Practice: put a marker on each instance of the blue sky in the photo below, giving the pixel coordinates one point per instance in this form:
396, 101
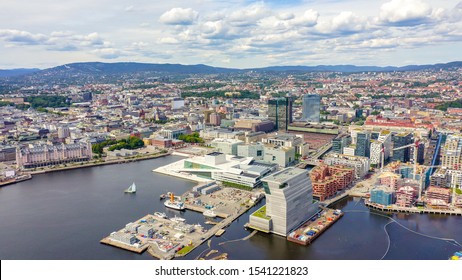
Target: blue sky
234, 33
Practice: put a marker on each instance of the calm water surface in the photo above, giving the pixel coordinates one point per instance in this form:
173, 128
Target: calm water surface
63, 215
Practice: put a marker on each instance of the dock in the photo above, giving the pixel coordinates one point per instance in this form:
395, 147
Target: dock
219, 232
202, 210
314, 227
134, 249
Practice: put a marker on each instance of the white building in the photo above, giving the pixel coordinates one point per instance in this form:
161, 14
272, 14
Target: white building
43, 155
243, 171
289, 202
226, 146
360, 164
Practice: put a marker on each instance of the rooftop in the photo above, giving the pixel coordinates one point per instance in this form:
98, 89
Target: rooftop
285, 174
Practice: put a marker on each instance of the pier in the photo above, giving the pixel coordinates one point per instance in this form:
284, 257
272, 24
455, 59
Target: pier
412, 210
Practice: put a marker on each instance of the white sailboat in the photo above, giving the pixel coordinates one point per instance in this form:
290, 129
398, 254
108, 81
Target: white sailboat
131, 189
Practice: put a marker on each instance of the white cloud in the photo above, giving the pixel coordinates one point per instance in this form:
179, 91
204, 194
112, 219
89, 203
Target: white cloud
405, 12
249, 15
22, 37
344, 23
179, 16
169, 40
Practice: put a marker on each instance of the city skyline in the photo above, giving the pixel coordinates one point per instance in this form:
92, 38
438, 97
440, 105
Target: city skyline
234, 34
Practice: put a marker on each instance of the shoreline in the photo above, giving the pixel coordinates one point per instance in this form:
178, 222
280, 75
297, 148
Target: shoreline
118, 161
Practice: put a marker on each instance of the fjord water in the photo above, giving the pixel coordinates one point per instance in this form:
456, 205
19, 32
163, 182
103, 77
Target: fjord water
63, 215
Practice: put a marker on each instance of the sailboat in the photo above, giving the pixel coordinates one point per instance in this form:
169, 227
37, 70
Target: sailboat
131, 189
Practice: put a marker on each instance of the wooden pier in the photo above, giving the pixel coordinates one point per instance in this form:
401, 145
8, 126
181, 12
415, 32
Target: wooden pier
413, 210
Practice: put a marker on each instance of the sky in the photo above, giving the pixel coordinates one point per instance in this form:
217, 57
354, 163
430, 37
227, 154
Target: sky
231, 33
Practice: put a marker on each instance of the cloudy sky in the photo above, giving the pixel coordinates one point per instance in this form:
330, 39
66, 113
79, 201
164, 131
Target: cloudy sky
230, 33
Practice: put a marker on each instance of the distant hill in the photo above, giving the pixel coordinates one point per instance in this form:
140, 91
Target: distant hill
354, 68
98, 72
17, 72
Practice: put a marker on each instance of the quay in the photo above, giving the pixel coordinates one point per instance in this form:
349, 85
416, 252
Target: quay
413, 210
313, 228
93, 164
16, 180
170, 238
202, 210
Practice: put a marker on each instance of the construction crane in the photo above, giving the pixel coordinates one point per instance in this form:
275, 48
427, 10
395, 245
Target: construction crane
415, 145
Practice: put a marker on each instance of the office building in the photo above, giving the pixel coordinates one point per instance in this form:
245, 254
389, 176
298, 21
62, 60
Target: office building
363, 142
340, 142
400, 140
280, 112
311, 107
289, 202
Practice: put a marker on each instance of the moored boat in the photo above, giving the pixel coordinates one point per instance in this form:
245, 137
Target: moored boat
209, 214
160, 215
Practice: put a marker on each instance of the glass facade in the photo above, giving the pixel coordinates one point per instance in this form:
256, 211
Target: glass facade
280, 112
311, 107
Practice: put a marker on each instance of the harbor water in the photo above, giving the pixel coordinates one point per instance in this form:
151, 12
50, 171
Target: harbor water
63, 215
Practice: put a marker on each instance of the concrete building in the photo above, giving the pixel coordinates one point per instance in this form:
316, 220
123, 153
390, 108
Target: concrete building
360, 164
43, 155
255, 150
311, 107
215, 119
173, 133
226, 146
7, 153
455, 179
436, 195
63, 132
451, 153
287, 140
280, 112
283, 156
289, 202
440, 178
177, 103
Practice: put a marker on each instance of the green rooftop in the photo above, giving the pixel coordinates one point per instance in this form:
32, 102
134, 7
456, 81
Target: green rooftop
261, 213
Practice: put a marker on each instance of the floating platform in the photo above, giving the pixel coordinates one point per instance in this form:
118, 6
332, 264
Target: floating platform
313, 228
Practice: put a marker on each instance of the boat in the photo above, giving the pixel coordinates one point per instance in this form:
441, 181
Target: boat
177, 219
131, 189
160, 215
209, 214
177, 205
174, 204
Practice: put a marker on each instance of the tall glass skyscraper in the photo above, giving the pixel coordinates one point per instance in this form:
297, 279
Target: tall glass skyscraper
311, 107
280, 112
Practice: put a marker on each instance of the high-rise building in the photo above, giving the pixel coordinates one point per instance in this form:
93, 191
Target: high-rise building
280, 112
452, 152
363, 142
400, 140
340, 142
382, 195
63, 132
311, 107
289, 202
215, 119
